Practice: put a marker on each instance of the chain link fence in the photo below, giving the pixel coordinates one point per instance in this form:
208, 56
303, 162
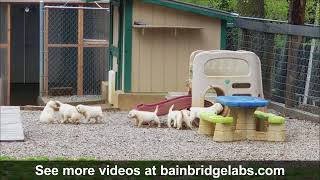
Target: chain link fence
290, 65
76, 45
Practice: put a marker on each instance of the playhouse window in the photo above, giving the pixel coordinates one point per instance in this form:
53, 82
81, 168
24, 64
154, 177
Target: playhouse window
226, 67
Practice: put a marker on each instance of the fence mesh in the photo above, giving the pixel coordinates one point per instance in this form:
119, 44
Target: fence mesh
62, 69
93, 71
290, 66
63, 26
67, 49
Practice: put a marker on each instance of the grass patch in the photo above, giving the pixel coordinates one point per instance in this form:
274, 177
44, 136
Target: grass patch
44, 158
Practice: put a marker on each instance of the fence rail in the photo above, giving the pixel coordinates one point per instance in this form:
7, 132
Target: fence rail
290, 58
276, 27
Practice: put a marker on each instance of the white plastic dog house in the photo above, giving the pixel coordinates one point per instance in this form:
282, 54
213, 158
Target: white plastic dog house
229, 72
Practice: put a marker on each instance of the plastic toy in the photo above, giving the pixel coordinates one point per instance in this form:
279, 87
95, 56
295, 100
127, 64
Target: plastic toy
228, 72
180, 103
219, 127
276, 126
192, 56
243, 121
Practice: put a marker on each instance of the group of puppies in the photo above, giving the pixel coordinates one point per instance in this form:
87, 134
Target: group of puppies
176, 118
70, 114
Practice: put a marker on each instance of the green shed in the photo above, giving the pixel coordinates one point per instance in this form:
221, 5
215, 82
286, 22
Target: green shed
151, 41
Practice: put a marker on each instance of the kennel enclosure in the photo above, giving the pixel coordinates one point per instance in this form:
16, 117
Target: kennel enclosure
52, 48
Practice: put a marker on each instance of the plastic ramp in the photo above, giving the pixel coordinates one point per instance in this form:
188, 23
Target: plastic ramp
180, 103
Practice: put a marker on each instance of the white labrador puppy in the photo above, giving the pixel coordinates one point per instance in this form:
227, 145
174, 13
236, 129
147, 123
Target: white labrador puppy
47, 115
174, 116
186, 119
90, 112
69, 113
144, 116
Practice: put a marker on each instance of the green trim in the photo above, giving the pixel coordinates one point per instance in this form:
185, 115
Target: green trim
223, 36
128, 46
120, 48
111, 50
194, 9
114, 51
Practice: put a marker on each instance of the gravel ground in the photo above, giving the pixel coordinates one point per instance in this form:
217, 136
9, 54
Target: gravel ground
117, 139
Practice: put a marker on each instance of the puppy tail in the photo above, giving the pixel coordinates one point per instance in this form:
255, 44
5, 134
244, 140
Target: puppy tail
156, 111
171, 108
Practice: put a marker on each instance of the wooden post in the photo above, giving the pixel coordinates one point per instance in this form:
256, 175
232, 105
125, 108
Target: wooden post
296, 17
8, 75
46, 55
250, 124
206, 128
240, 126
80, 53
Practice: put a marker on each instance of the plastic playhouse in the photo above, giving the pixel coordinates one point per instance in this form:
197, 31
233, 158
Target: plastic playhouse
237, 75
232, 73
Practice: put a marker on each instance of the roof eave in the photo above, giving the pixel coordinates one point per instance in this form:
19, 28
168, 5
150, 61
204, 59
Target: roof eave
229, 17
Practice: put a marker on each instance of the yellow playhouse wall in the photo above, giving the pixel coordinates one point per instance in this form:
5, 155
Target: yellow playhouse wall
160, 56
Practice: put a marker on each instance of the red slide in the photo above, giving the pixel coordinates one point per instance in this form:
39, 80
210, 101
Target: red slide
180, 103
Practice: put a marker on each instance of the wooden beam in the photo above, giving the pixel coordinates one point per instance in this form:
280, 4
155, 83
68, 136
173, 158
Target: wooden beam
46, 54
95, 43
96, 46
85, 45
80, 52
278, 28
62, 45
3, 45
9, 54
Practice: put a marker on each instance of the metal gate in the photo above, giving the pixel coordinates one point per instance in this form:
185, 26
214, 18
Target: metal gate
75, 50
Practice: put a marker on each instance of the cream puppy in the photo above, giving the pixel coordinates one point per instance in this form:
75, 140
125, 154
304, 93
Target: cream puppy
174, 116
144, 116
195, 111
47, 115
186, 119
90, 112
69, 113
